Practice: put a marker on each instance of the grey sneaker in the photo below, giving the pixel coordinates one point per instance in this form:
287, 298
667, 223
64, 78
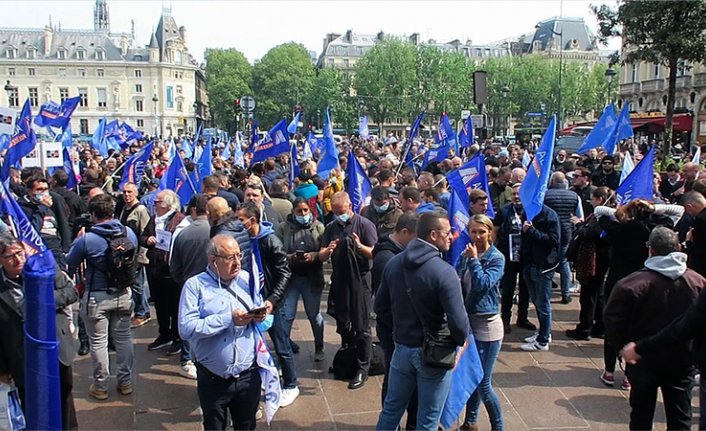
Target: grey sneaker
319, 355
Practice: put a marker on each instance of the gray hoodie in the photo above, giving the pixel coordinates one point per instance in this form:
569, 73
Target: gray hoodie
672, 265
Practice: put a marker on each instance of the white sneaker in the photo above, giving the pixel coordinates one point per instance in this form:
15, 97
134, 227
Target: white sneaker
533, 338
259, 414
534, 346
188, 370
288, 396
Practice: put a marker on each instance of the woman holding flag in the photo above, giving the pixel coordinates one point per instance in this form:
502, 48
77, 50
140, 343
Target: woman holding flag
481, 270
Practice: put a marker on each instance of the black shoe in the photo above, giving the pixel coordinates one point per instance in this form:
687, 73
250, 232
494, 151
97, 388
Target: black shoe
160, 343
566, 300
295, 347
576, 334
111, 346
526, 324
506, 327
84, 349
174, 348
597, 334
358, 381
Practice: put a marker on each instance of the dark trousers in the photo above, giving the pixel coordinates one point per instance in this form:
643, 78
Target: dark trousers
591, 312
388, 348
165, 293
676, 393
68, 410
507, 286
280, 334
363, 341
239, 395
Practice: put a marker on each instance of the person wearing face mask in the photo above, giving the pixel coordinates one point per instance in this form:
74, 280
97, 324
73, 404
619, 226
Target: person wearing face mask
383, 211
218, 316
348, 240
301, 235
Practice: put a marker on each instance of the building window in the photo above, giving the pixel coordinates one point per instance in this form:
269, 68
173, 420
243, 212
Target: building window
139, 107
31, 53
170, 97
138, 88
81, 54
633, 73
100, 72
83, 126
179, 89
346, 62
62, 72
61, 54
31, 71
140, 123
81, 72
11, 71
138, 73
102, 98
83, 93
100, 54
33, 97
11, 53
13, 98
656, 70
63, 94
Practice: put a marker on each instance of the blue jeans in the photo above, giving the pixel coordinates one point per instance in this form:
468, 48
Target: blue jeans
564, 277
406, 373
140, 294
185, 352
311, 296
540, 290
488, 352
280, 338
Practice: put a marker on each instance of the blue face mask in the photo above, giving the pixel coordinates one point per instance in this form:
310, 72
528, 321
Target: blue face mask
343, 217
305, 219
382, 208
267, 323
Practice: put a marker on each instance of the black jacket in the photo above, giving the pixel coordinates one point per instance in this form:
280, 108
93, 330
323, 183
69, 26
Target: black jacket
274, 259
382, 253
611, 180
541, 242
74, 204
565, 203
697, 247
60, 242
585, 197
298, 237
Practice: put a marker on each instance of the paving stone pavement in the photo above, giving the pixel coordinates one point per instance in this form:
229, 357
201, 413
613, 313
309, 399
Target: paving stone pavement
555, 390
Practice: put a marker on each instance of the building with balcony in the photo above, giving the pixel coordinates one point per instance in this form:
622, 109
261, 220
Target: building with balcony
158, 88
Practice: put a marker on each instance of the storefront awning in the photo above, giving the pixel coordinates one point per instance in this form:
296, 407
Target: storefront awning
654, 124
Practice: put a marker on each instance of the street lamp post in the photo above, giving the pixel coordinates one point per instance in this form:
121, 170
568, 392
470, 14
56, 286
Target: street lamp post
609, 74
505, 90
196, 117
156, 117
561, 64
9, 89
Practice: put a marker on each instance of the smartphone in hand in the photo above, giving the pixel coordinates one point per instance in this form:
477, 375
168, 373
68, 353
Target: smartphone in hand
258, 311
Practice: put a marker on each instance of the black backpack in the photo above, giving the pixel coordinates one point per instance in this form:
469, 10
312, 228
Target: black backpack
120, 260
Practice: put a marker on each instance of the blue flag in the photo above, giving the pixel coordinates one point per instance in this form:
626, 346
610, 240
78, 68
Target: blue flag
4, 141
363, 131
197, 136
112, 137
254, 136
22, 141
69, 168
329, 153
359, 186
601, 132
187, 147
445, 134
294, 169
458, 218
177, 179
466, 376
275, 142
238, 157
526, 159
67, 137
472, 175
292, 128
135, 166
314, 142
409, 157
436, 154
98, 139
205, 165
52, 114
639, 184
622, 129
227, 151
465, 138
534, 187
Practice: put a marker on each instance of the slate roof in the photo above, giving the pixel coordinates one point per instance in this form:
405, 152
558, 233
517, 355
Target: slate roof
576, 34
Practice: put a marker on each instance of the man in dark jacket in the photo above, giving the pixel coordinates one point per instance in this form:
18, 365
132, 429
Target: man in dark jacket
642, 304
541, 241
12, 335
565, 203
583, 187
607, 176
695, 206
270, 259
382, 211
74, 204
419, 286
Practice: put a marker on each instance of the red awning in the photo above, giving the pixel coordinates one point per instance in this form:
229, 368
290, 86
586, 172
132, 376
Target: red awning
681, 123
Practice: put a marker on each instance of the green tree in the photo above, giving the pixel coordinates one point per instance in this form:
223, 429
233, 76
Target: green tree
228, 77
281, 80
331, 88
664, 32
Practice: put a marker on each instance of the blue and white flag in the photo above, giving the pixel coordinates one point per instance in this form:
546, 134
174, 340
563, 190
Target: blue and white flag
526, 159
472, 175
313, 142
67, 137
639, 184
188, 148
205, 165
622, 130
269, 376
135, 166
238, 157
697, 156
363, 131
628, 166
465, 138
445, 134
413, 131
437, 154
22, 141
98, 139
113, 137
254, 136
602, 132
458, 218
69, 169
275, 142
534, 187
227, 151
292, 128
306, 153
329, 153
465, 378
359, 186
177, 179
52, 114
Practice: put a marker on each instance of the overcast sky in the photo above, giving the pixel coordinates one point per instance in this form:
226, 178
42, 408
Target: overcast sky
254, 27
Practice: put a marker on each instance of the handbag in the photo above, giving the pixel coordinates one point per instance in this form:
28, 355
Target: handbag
438, 349
11, 416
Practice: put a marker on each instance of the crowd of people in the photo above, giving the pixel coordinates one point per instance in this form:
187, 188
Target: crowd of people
232, 263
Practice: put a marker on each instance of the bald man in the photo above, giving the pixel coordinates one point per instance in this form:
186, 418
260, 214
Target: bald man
224, 221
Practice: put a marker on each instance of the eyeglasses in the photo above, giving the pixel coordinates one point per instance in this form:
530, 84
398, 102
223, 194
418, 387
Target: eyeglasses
444, 233
607, 163
16, 255
232, 257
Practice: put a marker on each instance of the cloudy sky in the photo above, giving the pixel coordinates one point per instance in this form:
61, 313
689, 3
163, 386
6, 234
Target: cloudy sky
254, 27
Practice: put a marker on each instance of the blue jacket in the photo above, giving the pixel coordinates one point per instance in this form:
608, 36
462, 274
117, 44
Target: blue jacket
482, 295
92, 247
541, 243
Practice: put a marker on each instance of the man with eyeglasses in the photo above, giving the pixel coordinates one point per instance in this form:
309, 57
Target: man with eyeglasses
583, 187
12, 310
606, 176
218, 317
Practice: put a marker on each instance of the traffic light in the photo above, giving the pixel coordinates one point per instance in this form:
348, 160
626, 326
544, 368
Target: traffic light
236, 104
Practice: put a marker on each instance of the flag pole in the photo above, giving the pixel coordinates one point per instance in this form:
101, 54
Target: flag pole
404, 156
116, 170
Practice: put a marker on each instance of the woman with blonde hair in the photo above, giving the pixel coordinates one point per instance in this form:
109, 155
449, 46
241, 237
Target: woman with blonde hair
481, 269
